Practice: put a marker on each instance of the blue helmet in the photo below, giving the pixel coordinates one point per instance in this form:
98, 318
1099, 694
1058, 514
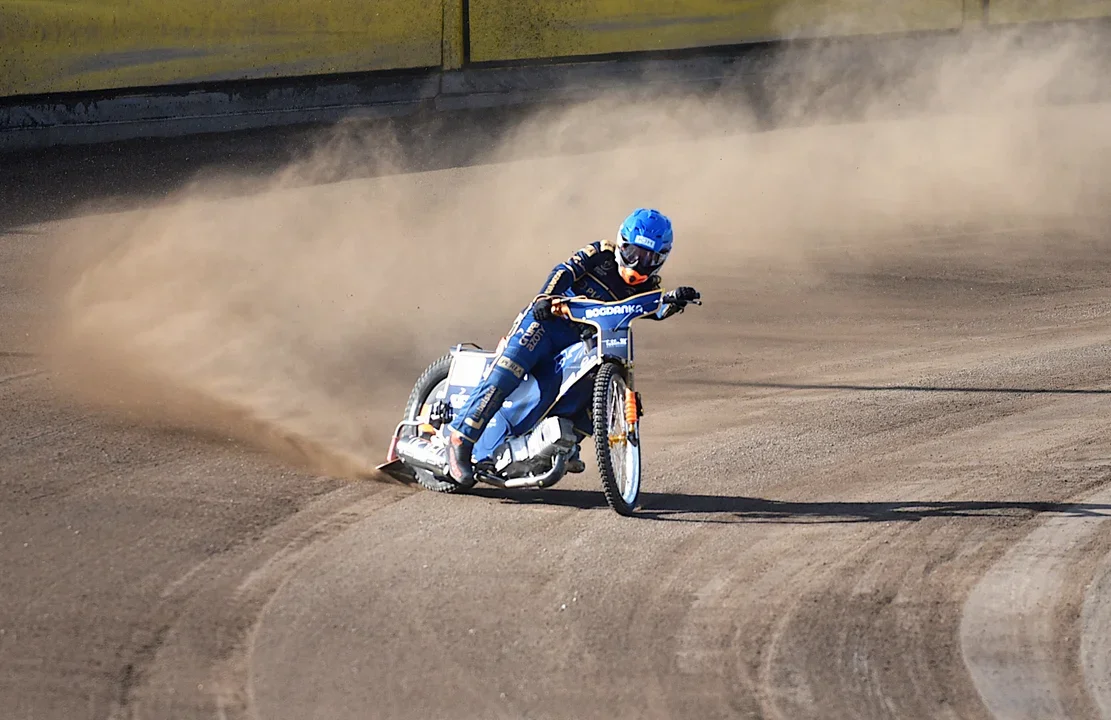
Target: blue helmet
643, 245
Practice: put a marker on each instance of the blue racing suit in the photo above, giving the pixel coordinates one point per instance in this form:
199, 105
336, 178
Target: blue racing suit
591, 272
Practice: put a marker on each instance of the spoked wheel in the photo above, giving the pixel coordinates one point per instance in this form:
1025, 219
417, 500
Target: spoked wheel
429, 386
616, 440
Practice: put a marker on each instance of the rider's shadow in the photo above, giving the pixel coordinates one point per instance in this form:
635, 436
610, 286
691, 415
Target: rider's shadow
729, 509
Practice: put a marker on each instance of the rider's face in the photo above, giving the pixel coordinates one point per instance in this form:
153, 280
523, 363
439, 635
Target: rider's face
637, 263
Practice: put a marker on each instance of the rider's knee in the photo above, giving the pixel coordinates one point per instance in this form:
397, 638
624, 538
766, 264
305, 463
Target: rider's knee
507, 373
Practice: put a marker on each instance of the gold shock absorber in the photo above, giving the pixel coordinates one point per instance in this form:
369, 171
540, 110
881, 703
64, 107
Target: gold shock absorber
631, 414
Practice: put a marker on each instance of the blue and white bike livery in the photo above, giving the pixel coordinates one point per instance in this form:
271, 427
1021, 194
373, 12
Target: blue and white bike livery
587, 391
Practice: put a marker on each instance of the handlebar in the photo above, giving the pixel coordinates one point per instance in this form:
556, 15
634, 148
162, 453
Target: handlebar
560, 305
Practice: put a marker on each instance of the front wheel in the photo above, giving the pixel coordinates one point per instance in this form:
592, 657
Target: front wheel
616, 439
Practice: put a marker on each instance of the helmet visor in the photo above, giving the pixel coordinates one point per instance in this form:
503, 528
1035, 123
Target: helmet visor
641, 259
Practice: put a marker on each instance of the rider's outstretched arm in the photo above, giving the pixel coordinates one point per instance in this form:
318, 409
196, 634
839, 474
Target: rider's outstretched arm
675, 302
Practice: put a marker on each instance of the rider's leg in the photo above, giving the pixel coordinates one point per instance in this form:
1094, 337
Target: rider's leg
473, 417
529, 341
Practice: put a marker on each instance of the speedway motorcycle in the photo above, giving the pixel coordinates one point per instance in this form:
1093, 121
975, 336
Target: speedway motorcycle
587, 392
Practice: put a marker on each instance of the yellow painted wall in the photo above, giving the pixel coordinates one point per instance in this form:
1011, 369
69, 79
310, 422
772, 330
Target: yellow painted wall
66, 45
517, 29
63, 45
1015, 11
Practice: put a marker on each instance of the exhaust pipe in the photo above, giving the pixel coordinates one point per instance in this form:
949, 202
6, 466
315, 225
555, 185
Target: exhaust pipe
420, 453
541, 482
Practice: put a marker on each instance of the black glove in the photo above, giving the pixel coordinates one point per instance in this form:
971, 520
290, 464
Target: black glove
542, 309
681, 295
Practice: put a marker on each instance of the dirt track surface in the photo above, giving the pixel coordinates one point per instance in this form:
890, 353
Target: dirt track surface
878, 493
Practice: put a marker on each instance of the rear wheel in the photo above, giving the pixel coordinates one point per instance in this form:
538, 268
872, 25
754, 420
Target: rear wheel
429, 386
616, 440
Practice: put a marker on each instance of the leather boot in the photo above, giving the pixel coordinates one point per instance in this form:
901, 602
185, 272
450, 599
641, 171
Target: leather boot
575, 464
460, 462
459, 459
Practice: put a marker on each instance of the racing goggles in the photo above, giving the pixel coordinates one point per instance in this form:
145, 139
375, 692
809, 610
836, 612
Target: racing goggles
640, 259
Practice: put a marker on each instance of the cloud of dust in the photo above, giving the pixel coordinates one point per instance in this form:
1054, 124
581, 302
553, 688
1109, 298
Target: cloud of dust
300, 313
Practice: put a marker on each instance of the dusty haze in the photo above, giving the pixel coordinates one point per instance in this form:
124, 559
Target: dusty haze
297, 310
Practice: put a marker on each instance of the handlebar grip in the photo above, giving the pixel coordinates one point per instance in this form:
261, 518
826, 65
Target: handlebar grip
676, 301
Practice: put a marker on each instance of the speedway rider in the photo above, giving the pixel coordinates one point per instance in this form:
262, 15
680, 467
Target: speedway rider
603, 270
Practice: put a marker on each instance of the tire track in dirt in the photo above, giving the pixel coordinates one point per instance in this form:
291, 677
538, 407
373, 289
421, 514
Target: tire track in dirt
864, 635
5, 379
191, 663
831, 587
1095, 653
1023, 633
805, 551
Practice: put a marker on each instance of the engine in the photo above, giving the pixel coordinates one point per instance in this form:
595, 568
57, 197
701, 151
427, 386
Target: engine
532, 454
